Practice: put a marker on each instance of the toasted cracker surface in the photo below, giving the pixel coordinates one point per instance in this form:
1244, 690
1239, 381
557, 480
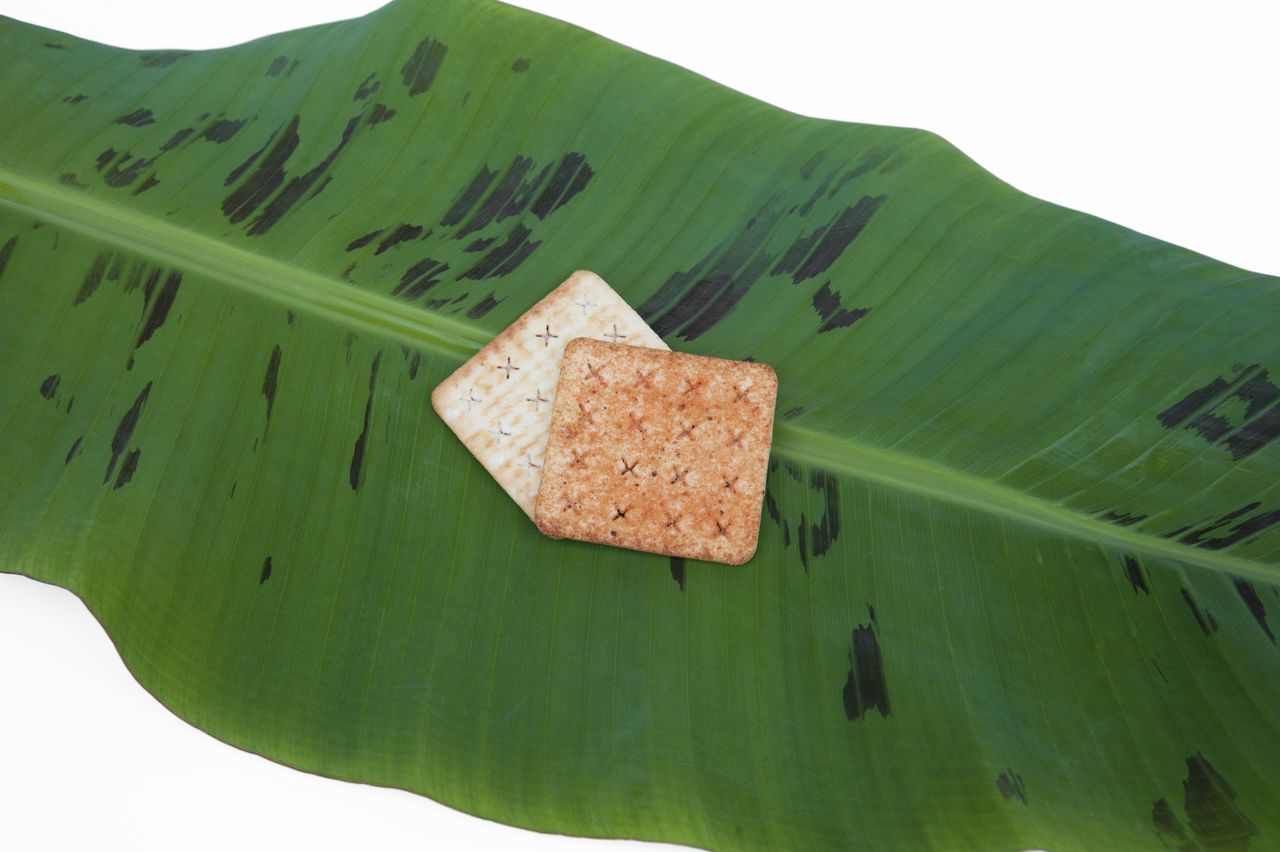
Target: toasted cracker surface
659, 451
499, 401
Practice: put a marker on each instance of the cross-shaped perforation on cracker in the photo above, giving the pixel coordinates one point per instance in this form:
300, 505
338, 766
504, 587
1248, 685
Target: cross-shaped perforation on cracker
690, 483
507, 368
546, 336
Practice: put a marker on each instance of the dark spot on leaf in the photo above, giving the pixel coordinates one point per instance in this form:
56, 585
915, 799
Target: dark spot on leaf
162, 59
414, 363
1204, 618
420, 278
265, 574
6, 252
94, 276
1240, 531
1011, 786
520, 66
137, 118
897, 162
866, 687
402, 233
127, 468
806, 171
1134, 572
74, 451
771, 506
106, 157
479, 245
812, 539
50, 386
1255, 434
1123, 519
70, 179
1172, 834
798, 251
222, 130
124, 431
1249, 595
847, 226
728, 294
1184, 408
792, 413
159, 311
361, 242
380, 113
74, 99
482, 307
289, 316
681, 309
55, 46
844, 179
468, 198
826, 532
513, 179
693, 301
148, 287
802, 535
266, 187
505, 258
367, 87
239, 170
421, 69
267, 177
277, 65
827, 304
147, 182
269, 385
571, 176
1205, 411
677, 570
1210, 804
177, 139
817, 194
358, 452
125, 171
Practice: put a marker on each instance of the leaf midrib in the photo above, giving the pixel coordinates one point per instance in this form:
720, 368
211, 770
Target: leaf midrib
349, 305
931, 480
260, 275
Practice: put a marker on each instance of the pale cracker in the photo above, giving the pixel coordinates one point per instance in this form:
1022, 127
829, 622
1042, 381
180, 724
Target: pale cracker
659, 451
499, 402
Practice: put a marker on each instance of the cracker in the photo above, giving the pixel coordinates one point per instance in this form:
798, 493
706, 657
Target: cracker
499, 401
659, 451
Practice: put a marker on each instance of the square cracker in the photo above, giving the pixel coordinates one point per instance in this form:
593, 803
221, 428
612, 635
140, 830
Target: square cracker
659, 451
499, 401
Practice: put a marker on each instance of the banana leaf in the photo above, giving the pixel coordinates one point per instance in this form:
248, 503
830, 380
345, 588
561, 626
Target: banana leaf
1017, 580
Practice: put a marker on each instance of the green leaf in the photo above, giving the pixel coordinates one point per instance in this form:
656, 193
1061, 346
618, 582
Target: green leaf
1017, 579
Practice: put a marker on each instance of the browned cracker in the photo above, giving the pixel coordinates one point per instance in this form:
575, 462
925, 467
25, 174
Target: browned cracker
659, 451
499, 401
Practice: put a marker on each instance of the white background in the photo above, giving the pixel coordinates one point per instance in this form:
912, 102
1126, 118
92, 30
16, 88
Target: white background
1163, 116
